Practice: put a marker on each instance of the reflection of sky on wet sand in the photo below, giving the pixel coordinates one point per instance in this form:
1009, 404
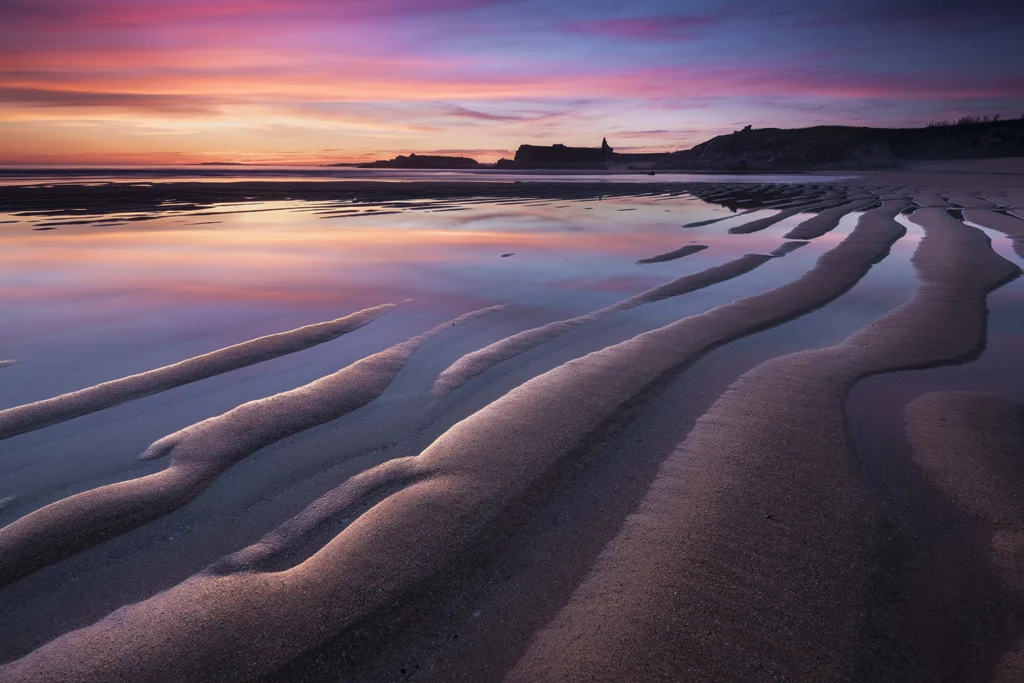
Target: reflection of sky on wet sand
79, 174
96, 295
285, 257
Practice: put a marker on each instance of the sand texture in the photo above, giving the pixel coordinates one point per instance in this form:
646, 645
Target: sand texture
477, 362
971, 446
674, 254
787, 248
21, 419
254, 621
1008, 224
795, 455
827, 220
762, 223
198, 455
752, 513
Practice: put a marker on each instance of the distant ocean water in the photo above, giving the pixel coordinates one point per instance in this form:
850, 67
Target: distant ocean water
31, 175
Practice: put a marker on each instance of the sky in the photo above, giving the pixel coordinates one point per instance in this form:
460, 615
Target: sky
326, 81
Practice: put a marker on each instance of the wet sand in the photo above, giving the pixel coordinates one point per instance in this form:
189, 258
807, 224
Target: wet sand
674, 254
405, 510
806, 537
14, 421
970, 446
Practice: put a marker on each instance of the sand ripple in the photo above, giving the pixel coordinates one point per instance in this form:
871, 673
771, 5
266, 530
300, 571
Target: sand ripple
252, 621
970, 445
1009, 225
827, 220
752, 554
21, 419
198, 455
675, 254
473, 364
762, 223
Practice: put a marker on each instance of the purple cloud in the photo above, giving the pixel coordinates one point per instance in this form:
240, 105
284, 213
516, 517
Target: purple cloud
667, 27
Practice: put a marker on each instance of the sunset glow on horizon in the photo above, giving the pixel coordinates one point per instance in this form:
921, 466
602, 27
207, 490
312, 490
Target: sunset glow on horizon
320, 81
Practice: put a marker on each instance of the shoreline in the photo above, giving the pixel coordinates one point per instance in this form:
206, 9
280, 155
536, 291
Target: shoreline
330, 528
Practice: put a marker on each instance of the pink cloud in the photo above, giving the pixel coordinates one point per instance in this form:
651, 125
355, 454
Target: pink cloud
42, 98
457, 74
77, 15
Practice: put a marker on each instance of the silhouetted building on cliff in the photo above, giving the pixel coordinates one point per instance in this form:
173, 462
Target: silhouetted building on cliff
560, 156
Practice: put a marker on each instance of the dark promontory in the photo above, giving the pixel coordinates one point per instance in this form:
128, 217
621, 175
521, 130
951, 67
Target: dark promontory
848, 147
424, 161
798, 149
561, 156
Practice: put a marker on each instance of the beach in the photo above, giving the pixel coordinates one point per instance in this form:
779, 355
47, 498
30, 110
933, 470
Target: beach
513, 427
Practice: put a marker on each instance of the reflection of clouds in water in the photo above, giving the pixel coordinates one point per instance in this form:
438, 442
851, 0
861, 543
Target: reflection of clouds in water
265, 261
283, 255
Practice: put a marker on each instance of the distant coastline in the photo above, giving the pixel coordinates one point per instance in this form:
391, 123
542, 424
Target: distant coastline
767, 150
423, 161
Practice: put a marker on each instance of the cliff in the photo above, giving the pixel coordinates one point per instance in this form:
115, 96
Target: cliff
563, 157
847, 147
559, 156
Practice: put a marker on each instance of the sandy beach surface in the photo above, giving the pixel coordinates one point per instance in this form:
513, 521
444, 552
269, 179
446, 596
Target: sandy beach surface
513, 428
